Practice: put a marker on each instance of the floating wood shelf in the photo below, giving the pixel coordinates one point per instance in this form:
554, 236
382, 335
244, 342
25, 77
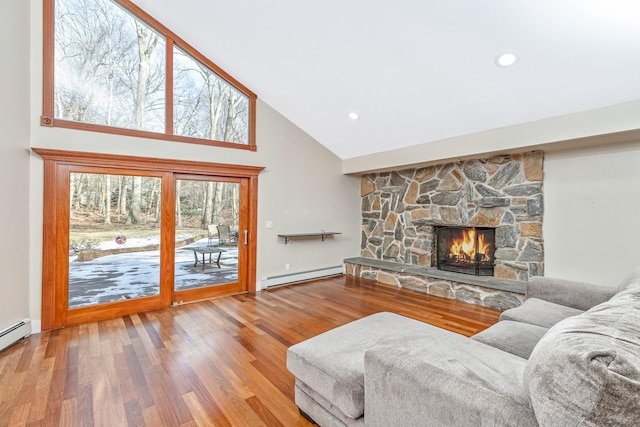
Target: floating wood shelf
322, 234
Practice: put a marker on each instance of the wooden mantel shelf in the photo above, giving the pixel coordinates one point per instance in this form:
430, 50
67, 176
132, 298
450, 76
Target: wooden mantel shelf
321, 233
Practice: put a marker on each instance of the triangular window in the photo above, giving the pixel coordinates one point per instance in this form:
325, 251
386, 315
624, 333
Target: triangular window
204, 105
110, 67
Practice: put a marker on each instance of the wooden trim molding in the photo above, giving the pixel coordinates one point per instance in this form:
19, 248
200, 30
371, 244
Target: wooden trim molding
147, 163
48, 239
53, 122
57, 166
48, 32
253, 232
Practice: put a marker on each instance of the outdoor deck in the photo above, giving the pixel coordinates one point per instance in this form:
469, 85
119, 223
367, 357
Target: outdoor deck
136, 274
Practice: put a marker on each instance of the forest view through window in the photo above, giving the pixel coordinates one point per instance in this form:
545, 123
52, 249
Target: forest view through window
110, 69
115, 236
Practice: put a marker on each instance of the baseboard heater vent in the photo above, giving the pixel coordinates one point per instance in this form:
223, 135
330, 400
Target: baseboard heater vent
14, 333
287, 279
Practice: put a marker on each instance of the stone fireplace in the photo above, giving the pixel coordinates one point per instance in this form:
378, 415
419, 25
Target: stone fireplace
403, 210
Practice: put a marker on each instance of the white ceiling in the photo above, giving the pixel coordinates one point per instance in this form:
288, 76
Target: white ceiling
416, 71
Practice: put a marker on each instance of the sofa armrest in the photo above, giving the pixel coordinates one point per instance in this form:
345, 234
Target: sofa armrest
411, 388
569, 293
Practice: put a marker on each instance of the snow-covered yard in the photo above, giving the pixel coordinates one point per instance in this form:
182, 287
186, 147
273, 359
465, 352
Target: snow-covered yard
137, 274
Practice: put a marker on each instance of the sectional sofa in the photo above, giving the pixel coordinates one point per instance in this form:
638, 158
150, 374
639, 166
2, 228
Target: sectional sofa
568, 356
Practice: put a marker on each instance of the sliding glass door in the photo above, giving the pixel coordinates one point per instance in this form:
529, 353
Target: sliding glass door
121, 239
209, 234
115, 235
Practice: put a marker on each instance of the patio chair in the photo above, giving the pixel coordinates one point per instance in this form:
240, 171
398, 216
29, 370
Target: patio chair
212, 230
225, 235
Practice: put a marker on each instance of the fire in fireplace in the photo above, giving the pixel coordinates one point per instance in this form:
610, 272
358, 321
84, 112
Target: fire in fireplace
468, 250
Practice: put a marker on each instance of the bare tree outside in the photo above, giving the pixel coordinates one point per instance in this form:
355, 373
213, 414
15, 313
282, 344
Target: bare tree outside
206, 106
107, 199
136, 201
121, 206
110, 69
209, 198
200, 203
178, 204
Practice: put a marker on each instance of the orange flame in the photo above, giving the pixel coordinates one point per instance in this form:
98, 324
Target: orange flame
465, 249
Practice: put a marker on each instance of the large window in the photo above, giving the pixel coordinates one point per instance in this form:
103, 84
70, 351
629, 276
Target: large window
109, 67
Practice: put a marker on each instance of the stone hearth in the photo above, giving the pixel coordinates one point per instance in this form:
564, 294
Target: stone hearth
492, 292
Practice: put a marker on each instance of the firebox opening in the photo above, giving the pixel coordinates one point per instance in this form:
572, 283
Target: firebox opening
467, 250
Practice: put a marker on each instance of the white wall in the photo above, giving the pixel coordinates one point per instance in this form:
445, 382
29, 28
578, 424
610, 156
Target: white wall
561, 131
592, 213
14, 161
301, 189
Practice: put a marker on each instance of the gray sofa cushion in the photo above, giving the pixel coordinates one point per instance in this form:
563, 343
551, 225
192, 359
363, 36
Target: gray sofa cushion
513, 337
586, 369
454, 382
539, 312
323, 412
332, 364
632, 280
579, 295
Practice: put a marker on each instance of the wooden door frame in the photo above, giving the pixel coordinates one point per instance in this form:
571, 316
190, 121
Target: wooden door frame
54, 208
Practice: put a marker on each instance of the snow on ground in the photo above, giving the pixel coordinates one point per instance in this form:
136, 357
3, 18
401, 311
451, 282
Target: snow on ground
137, 274
139, 241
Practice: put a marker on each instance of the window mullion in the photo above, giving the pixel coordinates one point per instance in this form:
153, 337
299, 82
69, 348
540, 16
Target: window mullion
169, 130
48, 62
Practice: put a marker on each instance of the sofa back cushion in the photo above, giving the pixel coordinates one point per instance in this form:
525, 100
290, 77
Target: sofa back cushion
631, 281
586, 369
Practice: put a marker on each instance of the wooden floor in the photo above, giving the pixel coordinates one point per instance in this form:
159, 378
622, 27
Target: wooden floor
219, 362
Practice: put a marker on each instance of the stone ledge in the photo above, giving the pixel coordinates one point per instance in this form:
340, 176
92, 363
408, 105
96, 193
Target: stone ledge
513, 286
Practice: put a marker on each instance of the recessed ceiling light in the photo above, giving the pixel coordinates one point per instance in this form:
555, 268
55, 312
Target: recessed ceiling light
354, 116
506, 59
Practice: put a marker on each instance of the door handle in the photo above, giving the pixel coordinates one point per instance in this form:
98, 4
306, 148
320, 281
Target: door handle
246, 234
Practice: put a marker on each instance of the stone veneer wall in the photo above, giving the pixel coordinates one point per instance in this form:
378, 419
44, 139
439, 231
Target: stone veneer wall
401, 208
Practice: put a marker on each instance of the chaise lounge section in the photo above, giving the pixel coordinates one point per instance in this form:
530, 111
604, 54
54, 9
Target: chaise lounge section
570, 355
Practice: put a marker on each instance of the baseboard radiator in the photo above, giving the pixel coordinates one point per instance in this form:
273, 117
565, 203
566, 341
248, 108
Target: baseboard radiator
14, 333
303, 276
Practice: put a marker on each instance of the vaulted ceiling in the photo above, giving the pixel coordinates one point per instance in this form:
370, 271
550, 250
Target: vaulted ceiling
416, 71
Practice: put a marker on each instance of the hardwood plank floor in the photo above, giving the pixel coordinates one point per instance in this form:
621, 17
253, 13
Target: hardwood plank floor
218, 362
